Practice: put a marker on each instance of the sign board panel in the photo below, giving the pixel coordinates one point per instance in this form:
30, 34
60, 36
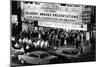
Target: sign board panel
54, 15
63, 25
55, 12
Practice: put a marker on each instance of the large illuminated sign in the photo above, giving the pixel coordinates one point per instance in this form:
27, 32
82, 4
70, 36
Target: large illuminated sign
51, 12
54, 15
63, 25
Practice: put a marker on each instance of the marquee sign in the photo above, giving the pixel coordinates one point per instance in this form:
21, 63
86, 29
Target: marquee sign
63, 25
51, 12
54, 15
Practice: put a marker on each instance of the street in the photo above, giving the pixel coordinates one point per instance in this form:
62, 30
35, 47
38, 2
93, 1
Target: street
63, 57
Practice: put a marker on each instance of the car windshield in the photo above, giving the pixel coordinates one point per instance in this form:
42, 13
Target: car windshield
44, 55
33, 55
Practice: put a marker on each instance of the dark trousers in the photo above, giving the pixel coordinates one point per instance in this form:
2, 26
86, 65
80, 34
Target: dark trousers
79, 47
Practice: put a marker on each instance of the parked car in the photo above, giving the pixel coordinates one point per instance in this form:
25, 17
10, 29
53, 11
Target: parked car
16, 52
36, 57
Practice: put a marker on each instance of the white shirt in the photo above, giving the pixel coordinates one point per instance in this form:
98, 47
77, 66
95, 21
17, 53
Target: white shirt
27, 47
38, 43
46, 43
42, 43
16, 45
35, 44
29, 41
12, 38
24, 40
20, 40
39, 36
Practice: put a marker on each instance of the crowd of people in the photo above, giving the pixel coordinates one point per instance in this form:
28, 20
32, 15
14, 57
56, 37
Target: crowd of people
58, 38
52, 38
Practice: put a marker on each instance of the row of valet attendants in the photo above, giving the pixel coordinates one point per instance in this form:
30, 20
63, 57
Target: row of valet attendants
40, 43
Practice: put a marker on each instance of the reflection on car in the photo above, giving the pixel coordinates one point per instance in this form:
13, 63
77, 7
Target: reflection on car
16, 52
36, 57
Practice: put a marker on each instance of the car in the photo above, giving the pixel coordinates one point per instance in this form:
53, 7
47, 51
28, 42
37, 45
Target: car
36, 57
16, 52
70, 52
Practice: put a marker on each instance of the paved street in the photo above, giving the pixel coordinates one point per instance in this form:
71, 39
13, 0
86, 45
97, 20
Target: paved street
64, 57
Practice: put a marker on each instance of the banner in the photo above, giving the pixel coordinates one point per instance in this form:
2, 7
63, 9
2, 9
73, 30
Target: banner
63, 25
